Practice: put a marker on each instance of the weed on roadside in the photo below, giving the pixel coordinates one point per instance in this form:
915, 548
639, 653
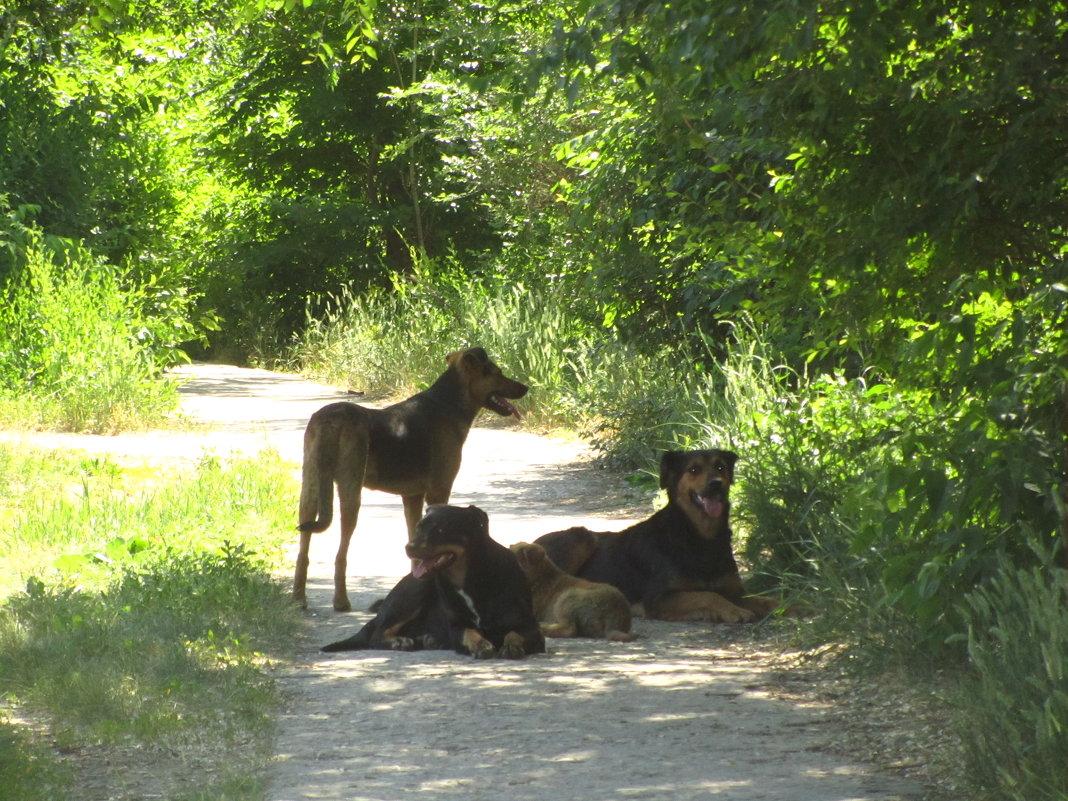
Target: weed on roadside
143, 644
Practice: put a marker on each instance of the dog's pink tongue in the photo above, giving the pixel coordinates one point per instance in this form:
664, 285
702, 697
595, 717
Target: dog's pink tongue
712, 507
420, 567
515, 411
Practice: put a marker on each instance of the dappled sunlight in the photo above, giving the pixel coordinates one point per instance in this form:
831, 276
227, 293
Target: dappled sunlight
624, 718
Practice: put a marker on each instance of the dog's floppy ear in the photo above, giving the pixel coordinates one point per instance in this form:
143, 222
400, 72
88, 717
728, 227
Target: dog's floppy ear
669, 467
731, 457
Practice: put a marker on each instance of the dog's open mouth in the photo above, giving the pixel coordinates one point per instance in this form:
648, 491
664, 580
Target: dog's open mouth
713, 507
502, 407
423, 567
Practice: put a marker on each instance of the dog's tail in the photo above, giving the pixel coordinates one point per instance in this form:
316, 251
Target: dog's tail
359, 641
317, 475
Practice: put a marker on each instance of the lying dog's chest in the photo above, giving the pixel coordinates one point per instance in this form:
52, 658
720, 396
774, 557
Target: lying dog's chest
467, 608
490, 613
459, 605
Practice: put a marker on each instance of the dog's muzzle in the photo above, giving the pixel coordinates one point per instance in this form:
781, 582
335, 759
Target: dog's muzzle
712, 500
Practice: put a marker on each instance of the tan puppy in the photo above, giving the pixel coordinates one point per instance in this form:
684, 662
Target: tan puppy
568, 606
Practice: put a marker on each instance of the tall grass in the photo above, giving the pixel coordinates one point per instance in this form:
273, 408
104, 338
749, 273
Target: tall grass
79, 515
396, 342
1014, 703
80, 348
581, 376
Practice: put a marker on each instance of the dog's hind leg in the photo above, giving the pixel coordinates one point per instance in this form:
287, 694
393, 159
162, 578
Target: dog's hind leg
300, 577
352, 460
348, 495
316, 493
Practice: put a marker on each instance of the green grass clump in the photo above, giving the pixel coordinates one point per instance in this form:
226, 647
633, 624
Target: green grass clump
1013, 706
81, 347
79, 516
170, 650
29, 771
149, 618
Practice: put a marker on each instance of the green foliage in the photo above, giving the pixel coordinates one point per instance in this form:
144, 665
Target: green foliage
87, 346
1014, 705
830, 168
157, 636
87, 517
166, 651
29, 774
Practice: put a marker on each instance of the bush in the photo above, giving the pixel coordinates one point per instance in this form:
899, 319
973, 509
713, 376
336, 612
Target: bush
1014, 706
80, 349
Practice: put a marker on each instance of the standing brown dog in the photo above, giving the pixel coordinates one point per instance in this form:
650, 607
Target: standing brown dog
567, 606
678, 564
411, 449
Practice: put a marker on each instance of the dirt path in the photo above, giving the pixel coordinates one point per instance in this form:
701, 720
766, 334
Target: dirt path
687, 711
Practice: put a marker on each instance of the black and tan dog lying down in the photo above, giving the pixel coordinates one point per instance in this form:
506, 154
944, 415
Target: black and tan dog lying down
678, 564
465, 593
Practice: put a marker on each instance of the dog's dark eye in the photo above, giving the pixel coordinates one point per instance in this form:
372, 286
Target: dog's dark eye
695, 469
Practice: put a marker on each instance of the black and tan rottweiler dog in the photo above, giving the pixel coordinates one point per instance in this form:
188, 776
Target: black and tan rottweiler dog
411, 449
466, 592
678, 564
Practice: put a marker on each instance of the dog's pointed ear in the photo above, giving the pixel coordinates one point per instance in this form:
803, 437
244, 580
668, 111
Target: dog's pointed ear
471, 357
482, 518
669, 467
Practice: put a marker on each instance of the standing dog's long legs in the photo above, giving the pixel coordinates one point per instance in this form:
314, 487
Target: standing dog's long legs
353, 450
348, 496
300, 578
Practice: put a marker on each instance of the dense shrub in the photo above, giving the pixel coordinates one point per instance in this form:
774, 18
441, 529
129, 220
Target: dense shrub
80, 347
1014, 704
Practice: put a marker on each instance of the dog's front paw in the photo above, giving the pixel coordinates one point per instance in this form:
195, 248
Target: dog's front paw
428, 642
477, 645
512, 647
511, 652
403, 644
730, 613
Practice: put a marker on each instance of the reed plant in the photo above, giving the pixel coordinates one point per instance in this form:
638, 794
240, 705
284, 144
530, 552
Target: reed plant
394, 343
